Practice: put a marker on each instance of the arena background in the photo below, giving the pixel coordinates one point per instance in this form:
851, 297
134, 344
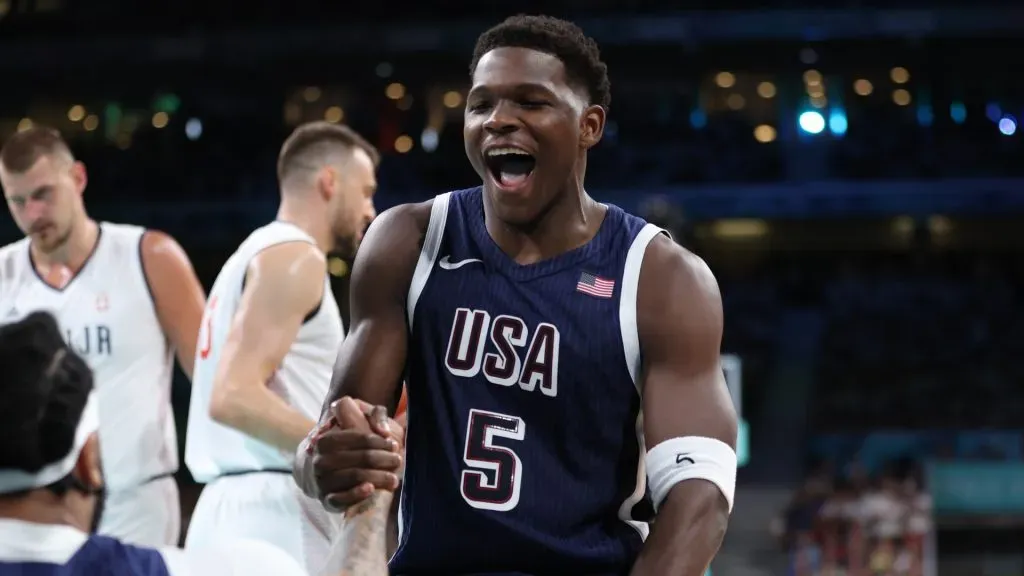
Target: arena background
852, 171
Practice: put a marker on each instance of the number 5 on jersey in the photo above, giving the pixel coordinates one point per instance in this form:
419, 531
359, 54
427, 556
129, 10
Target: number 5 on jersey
493, 477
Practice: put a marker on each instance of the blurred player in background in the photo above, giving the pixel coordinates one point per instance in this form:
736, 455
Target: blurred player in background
126, 298
518, 311
269, 340
52, 484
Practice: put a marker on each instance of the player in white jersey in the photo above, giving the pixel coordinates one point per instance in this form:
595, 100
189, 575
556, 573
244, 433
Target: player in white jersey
52, 483
126, 299
267, 345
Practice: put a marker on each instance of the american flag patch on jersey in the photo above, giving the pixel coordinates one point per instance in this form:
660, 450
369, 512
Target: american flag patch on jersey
595, 285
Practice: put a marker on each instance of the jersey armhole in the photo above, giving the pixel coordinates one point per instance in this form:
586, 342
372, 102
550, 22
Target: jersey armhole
428, 254
327, 282
628, 300
142, 269
631, 348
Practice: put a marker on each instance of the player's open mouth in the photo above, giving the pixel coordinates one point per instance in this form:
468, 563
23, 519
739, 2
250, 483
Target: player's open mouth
510, 167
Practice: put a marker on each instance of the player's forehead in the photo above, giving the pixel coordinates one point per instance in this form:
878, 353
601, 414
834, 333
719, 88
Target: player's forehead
514, 68
42, 173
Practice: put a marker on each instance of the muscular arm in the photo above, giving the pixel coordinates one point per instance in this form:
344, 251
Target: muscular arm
679, 318
371, 362
283, 285
176, 291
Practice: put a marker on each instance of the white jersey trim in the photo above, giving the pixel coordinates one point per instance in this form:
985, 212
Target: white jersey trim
631, 348
627, 301
428, 254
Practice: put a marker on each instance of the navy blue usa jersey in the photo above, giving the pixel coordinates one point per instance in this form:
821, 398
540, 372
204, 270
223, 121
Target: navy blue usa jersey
525, 446
98, 556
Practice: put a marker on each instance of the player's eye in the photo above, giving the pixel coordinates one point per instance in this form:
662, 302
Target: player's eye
478, 106
533, 104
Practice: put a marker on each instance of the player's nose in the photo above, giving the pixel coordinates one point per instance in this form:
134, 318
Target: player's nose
33, 211
502, 120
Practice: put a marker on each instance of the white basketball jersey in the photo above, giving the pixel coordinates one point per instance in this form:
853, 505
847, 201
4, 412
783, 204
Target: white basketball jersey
302, 380
108, 316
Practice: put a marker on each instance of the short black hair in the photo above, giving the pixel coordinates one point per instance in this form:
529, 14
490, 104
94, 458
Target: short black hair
44, 392
560, 38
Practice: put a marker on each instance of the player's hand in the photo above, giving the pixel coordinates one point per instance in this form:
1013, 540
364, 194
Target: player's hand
350, 456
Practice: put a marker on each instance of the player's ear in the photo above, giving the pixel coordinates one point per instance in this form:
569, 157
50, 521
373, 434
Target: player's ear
79, 176
591, 126
88, 466
326, 180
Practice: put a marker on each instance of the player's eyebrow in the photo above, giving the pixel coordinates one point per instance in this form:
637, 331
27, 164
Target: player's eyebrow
34, 192
518, 88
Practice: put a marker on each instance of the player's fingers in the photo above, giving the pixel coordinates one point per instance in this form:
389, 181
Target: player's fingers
338, 440
361, 459
379, 420
321, 428
340, 501
342, 480
365, 406
397, 431
348, 414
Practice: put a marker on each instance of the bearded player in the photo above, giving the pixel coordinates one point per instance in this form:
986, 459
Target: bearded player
269, 339
126, 299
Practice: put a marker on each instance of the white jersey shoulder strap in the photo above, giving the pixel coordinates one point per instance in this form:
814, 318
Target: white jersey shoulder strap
627, 300
428, 254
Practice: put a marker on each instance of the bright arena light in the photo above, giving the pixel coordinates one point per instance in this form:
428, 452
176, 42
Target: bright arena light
812, 122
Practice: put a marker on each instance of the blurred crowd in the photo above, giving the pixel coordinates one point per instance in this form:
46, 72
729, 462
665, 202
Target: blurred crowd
931, 343
858, 525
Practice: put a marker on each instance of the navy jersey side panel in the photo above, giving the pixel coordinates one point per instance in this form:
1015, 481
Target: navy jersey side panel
99, 556
523, 447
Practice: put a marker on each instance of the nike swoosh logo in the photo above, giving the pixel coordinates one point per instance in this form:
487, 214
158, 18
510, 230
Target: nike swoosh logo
680, 458
449, 265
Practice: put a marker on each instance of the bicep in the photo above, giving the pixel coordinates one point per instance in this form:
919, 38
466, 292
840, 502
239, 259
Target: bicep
689, 420
371, 362
684, 391
372, 358
275, 302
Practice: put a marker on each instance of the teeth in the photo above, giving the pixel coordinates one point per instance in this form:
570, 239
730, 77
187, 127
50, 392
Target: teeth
502, 151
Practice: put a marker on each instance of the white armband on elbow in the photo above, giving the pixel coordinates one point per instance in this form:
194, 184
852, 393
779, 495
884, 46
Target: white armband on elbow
687, 458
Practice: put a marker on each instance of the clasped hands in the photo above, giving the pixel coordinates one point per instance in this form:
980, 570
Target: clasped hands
357, 450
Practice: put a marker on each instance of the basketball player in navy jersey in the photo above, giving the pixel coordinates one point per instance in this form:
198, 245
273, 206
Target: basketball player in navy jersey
52, 485
561, 356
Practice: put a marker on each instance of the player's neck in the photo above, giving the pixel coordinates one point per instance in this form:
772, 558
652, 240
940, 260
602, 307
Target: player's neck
568, 224
39, 507
75, 251
304, 218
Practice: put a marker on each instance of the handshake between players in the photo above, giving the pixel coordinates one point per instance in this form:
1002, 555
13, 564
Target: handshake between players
353, 463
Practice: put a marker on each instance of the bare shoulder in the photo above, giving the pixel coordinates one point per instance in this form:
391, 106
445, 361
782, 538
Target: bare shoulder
677, 289
287, 275
289, 259
165, 263
388, 254
401, 227
159, 244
